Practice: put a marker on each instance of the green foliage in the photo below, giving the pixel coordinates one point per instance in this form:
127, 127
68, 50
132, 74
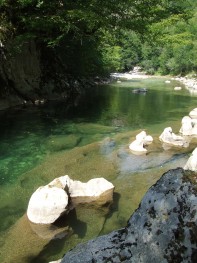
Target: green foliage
111, 58
97, 36
82, 57
170, 46
130, 49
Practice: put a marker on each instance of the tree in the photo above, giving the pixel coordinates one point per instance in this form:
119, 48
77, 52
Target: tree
170, 45
82, 26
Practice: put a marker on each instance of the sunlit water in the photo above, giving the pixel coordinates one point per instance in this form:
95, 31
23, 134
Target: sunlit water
38, 144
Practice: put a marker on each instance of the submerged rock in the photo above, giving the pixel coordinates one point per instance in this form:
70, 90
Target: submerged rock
140, 90
62, 142
107, 146
162, 229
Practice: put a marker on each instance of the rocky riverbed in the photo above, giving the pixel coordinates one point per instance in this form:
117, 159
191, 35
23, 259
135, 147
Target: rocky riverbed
131, 175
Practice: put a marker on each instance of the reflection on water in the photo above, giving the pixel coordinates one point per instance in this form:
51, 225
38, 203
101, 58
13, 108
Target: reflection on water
86, 139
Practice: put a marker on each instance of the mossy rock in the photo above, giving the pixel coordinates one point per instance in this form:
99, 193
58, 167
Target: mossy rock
91, 128
62, 142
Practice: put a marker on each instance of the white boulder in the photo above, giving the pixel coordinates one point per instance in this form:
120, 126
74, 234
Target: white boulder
192, 162
98, 189
194, 126
170, 138
47, 204
193, 114
80, 192
62, 182
189, 125
186, 128
148, 140
177, 88
141, 140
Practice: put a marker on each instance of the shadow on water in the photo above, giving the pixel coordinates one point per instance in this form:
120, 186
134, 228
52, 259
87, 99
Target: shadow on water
112, 209
76, 227
9, 212
56, 244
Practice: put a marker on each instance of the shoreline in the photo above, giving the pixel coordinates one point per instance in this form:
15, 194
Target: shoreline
129, 76
190, 83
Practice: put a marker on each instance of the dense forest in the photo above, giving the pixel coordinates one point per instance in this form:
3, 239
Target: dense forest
96, 37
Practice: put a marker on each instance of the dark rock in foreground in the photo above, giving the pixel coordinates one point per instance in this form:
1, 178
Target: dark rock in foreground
162, 229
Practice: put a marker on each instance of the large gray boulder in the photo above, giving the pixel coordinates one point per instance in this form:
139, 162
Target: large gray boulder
163, 228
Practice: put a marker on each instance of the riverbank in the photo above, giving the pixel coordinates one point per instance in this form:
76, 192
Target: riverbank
190, 83
129, 76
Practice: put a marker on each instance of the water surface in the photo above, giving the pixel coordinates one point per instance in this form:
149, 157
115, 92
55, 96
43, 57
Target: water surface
38, 144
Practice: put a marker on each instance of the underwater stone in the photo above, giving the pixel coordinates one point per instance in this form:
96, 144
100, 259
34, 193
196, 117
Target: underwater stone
107, 146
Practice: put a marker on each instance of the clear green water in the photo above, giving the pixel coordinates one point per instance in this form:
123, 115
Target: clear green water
38, 144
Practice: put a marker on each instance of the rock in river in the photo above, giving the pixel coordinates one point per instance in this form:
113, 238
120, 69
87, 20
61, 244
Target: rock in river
141, 140
61, 195
192, 162
163, 228
47, 204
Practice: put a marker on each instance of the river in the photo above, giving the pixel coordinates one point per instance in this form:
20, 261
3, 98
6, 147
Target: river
40, 143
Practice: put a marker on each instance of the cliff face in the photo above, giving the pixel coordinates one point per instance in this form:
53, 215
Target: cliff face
162, 229
20, 75
34, 73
